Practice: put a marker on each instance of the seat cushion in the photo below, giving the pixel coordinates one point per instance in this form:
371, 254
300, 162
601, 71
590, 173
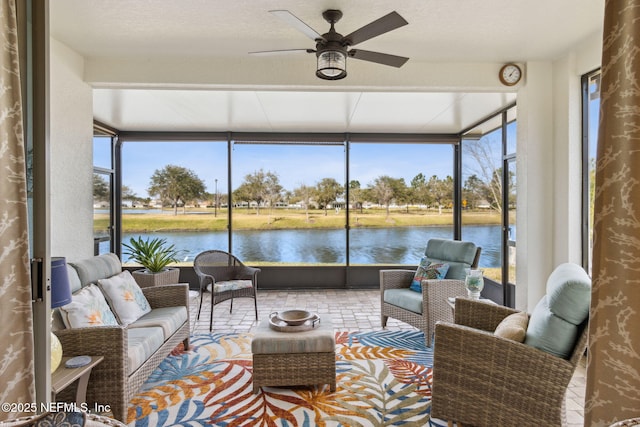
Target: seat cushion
405, 298
125, 297
141, 344
320, 339
231, 285
170, 319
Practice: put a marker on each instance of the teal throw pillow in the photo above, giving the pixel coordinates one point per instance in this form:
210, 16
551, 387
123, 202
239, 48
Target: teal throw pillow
428, 271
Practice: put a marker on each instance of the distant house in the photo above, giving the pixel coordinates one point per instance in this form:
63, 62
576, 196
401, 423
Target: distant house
483, 204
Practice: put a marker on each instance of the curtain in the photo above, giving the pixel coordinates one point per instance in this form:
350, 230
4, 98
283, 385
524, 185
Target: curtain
613, 370
16, 333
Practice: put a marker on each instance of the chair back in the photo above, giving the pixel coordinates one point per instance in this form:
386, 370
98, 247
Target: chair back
219, 264
458, 254
558, 322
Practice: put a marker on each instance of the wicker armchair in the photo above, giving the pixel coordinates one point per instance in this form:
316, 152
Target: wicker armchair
480, 379
226, 277
394, 285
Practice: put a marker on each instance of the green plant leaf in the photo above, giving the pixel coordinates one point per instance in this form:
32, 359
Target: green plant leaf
153, 254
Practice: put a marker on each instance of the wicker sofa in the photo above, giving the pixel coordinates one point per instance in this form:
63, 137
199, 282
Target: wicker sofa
130, 352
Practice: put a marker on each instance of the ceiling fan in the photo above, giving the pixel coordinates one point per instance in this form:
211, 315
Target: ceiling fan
332, 48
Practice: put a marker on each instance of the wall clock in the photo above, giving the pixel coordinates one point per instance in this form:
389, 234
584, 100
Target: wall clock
510, 74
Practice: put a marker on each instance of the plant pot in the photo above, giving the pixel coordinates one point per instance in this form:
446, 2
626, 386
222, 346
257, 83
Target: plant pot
145, 279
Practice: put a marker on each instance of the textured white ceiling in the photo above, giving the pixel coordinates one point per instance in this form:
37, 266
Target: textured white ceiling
184, 64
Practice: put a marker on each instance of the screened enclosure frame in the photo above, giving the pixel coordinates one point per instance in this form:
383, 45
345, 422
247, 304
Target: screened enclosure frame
345, 140
267, 138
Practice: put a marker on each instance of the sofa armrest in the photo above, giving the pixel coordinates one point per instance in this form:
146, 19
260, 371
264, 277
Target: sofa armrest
396, 279
107, 341
109, 383
168, 295
480, 315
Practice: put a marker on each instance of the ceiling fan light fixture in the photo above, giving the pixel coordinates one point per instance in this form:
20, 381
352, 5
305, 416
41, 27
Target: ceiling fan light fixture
332, 65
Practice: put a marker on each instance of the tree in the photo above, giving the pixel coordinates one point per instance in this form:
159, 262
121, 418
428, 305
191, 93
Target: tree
128, 194
473, 192
304, 193
487, 169
259, 187
327, 191
174, 184
242, 194
419, 192
494, 190
273, 189
356, 195
101, 191
441, 190
386, 189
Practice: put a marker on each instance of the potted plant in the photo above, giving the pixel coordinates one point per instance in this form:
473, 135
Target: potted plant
155, 256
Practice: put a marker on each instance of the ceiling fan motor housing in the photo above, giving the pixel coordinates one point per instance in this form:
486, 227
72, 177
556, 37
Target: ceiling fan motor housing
331, 40
331, 50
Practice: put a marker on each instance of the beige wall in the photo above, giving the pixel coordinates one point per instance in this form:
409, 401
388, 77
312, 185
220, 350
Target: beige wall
71, 137
534, 184
549, 168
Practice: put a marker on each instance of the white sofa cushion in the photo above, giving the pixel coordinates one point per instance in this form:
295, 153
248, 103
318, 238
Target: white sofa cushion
141, 344
125, 297
87, 308
170, 319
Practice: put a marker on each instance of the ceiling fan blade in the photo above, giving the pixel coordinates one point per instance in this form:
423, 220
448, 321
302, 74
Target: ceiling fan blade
380, 26
380, 58
282, 51
297, 23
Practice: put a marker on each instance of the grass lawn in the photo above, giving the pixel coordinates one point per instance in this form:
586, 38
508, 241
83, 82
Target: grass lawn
279, 219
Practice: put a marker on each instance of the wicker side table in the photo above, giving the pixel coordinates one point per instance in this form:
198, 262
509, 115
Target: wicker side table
294, 358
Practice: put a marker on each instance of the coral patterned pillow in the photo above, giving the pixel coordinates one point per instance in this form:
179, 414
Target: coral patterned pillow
125, 297
87, 308
428, 270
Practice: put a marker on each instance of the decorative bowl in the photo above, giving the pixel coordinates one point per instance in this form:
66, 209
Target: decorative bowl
295, 317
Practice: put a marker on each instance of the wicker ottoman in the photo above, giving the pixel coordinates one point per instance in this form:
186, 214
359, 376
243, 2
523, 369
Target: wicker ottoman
294, 358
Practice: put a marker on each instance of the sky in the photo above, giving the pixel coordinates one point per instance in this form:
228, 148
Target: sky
294, 164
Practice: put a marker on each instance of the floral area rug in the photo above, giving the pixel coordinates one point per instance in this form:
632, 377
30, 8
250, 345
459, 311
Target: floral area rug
383, 379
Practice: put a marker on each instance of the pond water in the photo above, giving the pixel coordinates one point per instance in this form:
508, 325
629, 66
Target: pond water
396, 245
